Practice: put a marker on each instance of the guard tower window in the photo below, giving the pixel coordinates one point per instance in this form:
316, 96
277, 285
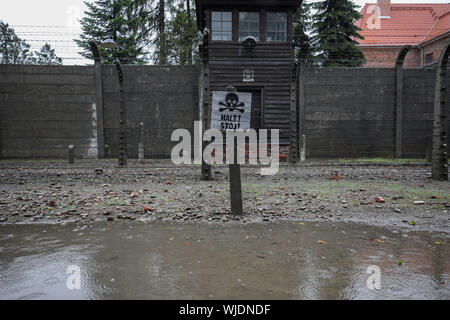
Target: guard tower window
429, 58
276, 26
248, 25
221, 25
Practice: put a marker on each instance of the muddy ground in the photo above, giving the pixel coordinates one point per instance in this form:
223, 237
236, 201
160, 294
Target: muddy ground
385, 195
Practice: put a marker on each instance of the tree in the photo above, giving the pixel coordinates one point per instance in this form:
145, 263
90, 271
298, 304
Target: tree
302, 28
47, 56
182, 36
13, 50
129, 23
335, 34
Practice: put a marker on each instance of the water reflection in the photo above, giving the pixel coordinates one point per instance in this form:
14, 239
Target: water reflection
201, 261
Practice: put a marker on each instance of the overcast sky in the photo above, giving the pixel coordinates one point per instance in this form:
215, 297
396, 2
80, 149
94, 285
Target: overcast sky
30, 17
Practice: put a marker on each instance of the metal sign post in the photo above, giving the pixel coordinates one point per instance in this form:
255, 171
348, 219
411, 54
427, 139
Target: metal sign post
235, 184
231, 110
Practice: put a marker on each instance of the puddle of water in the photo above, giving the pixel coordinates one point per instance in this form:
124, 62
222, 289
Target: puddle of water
202, 261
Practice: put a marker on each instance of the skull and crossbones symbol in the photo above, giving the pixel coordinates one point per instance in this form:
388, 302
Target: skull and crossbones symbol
232, 103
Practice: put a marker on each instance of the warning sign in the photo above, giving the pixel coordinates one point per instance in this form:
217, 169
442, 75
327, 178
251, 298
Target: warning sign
231, 110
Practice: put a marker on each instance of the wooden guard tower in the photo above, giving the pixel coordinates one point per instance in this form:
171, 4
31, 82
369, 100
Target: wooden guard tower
248, 44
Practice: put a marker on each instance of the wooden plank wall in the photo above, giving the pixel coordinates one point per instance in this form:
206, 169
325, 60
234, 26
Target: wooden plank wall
272, 65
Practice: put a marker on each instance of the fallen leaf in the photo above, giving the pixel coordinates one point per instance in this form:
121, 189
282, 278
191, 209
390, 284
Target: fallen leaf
379, 199
336, 177
380, 241
169, 182
301, 223
188, 244
133, 195
399, 262
435, 197
437, 242
260, 256
171, 239
148, 209
322, 242
413, 223
51, 203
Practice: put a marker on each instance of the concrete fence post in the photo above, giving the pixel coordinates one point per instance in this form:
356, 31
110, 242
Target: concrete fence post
205, 97
98, 74
71, 154
293, 123
303, 149
440, 119
123, 157
399, 100
141, 155
301, 104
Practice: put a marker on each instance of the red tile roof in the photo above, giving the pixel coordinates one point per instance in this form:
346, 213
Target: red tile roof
410, 24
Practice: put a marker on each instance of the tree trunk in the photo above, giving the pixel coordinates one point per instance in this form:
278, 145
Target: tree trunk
189, 41
162, 34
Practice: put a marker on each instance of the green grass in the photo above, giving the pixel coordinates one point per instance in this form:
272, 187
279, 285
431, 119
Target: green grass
381, 160
389, 190
112, 202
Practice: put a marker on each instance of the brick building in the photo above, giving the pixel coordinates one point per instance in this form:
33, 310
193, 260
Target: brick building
387, 27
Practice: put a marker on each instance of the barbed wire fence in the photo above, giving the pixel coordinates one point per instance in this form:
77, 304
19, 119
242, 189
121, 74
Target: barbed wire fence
62, 39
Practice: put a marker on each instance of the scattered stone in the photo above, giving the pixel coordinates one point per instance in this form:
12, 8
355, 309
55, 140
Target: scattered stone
419, 202
98, 171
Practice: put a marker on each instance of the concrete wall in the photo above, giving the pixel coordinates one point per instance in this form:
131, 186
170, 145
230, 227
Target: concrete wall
349, 112
163, 98
45, 109
418, 107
